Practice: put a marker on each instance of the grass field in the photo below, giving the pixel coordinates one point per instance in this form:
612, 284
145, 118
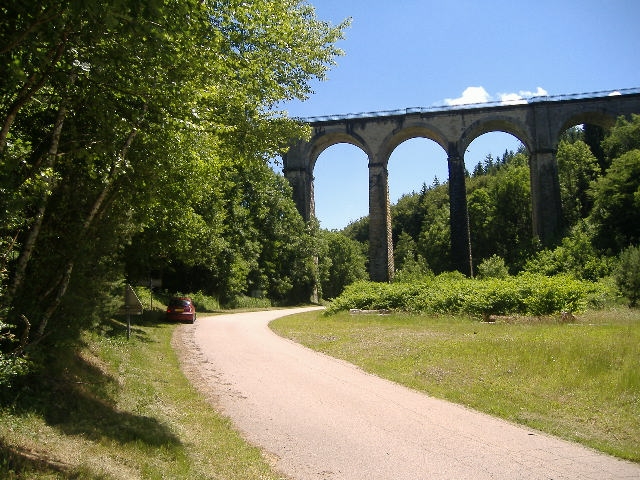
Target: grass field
122, 410
579, 380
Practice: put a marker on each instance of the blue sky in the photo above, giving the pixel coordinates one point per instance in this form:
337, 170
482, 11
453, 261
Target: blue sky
420, 53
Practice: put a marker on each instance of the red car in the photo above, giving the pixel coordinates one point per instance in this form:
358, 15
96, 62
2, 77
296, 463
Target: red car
181, 309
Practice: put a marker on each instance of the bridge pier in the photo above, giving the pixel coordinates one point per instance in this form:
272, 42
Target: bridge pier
301, 181
380, 240
459, 215
546, 211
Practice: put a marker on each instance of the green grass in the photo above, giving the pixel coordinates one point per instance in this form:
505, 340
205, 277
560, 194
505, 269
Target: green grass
121, 409
578, 380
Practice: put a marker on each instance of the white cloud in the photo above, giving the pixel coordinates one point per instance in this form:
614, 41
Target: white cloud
614, 94
521, 97
511, 99
540, 92
473, 95
470, 95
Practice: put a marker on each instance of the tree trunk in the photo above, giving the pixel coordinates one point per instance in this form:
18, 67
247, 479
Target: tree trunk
34, 231
93, 213
55, 303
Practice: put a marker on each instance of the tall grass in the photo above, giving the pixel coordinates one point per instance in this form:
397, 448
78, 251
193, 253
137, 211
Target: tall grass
578, 380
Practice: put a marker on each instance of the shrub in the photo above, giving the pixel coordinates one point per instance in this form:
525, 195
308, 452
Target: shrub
413, 270
205, 303
575, 256
492, 267
373, 296
11, 363
628, 274
525, 294
242, 301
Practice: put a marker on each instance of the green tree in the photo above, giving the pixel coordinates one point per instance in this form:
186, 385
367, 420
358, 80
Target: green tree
481, 209
593, 136
434, 242
616, 210
616, 195
577, 168
627, 274
499, 207
358, 230
576, 255
511, 227
407, 215
623, 137
405, 250
118, 116
341, 263
238, 237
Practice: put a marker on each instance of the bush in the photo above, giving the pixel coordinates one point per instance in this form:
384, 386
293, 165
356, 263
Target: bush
413, 270
526, 294
575, 256
11, 363
367, 295
205, 303
628, 274
492, 267
242, 301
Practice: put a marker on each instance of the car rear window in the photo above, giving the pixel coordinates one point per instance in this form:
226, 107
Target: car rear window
179, 303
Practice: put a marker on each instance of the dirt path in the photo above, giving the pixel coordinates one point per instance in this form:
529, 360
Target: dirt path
321, 418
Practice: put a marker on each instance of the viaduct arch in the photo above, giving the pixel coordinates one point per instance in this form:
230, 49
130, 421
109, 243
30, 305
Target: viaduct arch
538, 123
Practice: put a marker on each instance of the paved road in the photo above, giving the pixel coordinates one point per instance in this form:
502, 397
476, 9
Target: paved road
322, 418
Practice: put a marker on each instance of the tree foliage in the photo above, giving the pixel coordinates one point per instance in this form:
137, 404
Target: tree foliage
627, 274
499, 205
243, 236
616, 210
623, 137
341, 263
434, 239
576, 255
122, 120
577, 168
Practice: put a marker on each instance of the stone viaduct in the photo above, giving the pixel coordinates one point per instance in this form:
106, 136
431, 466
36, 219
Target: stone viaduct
537, 122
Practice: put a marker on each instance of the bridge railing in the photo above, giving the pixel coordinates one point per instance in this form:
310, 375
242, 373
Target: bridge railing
468, 106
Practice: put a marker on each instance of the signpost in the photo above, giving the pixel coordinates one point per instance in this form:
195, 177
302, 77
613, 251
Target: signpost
132, 306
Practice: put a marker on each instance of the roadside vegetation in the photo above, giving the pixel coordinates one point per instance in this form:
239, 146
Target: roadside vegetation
118, 408
575, 378
453, 293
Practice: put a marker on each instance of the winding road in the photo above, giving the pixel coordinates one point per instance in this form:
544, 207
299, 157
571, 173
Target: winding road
317, 417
